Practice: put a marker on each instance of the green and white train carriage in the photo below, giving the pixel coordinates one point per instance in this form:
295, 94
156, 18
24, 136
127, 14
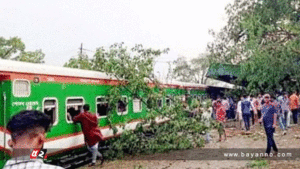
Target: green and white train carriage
53, 90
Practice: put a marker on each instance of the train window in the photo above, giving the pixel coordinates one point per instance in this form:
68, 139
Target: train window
102, 106
21, 88
137, 105
150, 103
159, 103
168, 101
122, 106
74, 107
50, 107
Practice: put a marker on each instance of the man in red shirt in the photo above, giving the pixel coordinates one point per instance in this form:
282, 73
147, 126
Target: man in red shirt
220, 117
294, 105
92, 135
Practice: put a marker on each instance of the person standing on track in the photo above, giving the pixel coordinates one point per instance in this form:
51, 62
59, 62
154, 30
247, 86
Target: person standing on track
92, 135
269, 116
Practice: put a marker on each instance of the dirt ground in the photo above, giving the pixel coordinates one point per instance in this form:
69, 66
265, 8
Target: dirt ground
235, 139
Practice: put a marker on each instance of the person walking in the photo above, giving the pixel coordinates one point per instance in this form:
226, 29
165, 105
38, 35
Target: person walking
258, 105
269, 116
239, 114
221, 114
226, 105
253, 110
288, 117
231, 108
246, 105
214, 108
284, 101
294, 105
92, 135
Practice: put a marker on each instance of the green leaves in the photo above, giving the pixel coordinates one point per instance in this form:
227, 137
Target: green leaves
265, 46
33, 57
82, 62
179, 133
10, 47
134, 68
193, 71
14, 49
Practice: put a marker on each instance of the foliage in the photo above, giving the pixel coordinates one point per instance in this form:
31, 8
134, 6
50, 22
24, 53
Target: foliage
182, 69
82, 62
14, 48
206, 104
193, 71
134, 70
33, 57
179, 133
263, 38
10, 47
195, 103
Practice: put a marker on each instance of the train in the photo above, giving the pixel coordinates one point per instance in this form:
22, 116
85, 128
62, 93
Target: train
54, 90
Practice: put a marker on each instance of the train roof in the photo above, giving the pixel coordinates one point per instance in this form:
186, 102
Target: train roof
36, 68
185, 84
42, 69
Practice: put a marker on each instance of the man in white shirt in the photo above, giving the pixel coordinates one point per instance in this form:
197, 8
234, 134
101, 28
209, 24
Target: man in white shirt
239, 115
28, 130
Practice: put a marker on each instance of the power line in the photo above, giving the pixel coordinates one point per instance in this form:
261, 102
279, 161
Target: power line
81, 49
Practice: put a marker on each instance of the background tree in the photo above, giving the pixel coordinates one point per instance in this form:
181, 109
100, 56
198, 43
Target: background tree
191, 71
10, 47
33, 57
14, 49
265, 44
200, 67
82, 62
183, 71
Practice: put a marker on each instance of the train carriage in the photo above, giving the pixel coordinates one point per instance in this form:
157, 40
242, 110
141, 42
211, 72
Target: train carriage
53, 90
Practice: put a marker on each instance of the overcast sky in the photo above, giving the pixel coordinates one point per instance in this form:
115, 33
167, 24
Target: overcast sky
58, 27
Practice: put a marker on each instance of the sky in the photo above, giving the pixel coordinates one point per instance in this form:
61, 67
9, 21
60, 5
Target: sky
58, 27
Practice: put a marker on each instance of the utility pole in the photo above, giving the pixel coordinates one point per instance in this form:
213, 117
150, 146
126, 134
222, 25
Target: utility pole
81, 47
80, 55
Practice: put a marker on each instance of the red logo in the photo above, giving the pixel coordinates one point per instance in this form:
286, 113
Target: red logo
40, 154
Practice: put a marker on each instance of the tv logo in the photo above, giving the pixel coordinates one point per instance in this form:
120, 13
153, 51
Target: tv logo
38, 154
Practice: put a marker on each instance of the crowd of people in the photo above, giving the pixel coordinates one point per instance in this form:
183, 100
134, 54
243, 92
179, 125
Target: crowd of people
268, 111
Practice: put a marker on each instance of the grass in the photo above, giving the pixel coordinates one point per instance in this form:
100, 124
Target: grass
139, 167
258, 164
